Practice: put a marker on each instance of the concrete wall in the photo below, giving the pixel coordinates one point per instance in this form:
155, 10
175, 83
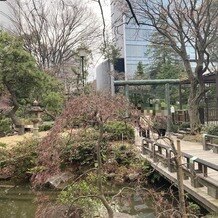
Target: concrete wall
5, 16
103, 77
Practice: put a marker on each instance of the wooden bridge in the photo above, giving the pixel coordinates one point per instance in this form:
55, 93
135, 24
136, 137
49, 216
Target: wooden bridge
199, 164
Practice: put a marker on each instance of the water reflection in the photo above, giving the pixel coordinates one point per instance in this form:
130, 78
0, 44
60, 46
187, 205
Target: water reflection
16, 203
20, 202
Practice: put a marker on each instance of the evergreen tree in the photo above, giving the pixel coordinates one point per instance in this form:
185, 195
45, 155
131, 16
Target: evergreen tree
19, 77
140, 72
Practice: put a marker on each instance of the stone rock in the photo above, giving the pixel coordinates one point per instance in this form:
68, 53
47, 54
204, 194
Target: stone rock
110, 175
137, 198
140, 207
58, 180
122, 215
133, 176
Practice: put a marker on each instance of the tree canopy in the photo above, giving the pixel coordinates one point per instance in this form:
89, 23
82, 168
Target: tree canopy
20, 78
53, 30
188, 26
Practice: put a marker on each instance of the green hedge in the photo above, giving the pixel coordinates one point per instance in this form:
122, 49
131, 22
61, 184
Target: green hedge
119, 130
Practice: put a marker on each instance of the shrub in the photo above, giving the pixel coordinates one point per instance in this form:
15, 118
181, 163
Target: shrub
193, 209
184, 126
119, 130
5, 126
45, 127
123, 155
71, 195
174, 127
80, 149
212, 130
24, 158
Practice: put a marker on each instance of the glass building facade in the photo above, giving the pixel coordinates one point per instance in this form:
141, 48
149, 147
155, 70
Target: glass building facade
136, 45
132, 40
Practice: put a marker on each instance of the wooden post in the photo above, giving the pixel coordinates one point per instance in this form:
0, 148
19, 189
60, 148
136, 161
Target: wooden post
167, 96
182, 206
127, 96
216, 89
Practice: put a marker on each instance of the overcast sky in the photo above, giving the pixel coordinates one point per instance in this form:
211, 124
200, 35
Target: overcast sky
107, 14
5, 22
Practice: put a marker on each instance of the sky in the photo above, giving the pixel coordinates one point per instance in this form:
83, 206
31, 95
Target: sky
4, 21
107, 14
4, 14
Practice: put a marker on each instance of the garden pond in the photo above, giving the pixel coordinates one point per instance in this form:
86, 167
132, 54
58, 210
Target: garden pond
21, 202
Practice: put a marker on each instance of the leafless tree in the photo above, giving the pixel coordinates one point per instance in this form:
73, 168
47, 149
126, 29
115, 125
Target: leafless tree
53, 30
188, 25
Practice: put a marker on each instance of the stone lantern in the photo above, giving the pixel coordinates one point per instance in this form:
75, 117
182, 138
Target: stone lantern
36, 111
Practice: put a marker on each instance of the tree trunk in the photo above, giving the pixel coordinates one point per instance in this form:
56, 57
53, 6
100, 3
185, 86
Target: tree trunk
194, 117
12, 114
16, 121
182, 206
99, 172
193, 110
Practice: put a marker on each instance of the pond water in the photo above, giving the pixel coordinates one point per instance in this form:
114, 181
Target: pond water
20, 202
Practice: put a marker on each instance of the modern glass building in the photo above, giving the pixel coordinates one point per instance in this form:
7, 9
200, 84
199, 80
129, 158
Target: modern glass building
131, 39
5, 16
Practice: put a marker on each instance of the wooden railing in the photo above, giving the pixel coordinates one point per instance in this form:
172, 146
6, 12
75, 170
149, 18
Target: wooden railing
194, 168
210, 142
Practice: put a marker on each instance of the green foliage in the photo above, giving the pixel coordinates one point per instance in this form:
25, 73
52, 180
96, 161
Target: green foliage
81, 148
174, 127
123, 155
140, 72
78, 194
5, 126
4, 155
155, 177
50, 94
45, 127
146, 167
53, 101
24, 158
20, 77
118, 130
18, 72
3, 145
110, 52
184, 126
212, 130
193, 209
164, 64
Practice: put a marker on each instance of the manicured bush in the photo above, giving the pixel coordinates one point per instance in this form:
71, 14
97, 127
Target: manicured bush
119, 130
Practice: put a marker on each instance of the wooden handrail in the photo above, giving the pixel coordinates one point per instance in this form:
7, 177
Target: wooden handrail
208, 143
199, 177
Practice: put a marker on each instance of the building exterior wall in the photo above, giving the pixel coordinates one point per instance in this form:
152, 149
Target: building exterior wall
136, 47
5, 16
130, 39
103, 77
